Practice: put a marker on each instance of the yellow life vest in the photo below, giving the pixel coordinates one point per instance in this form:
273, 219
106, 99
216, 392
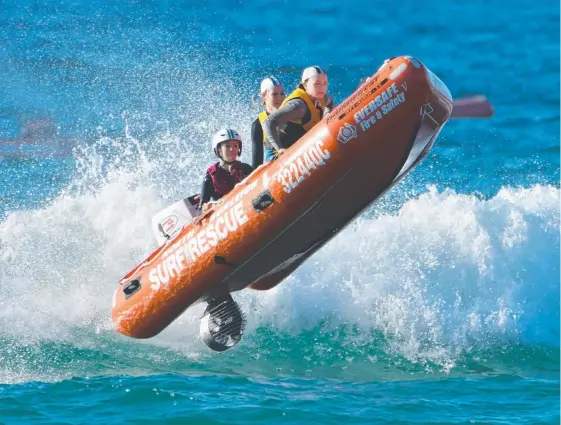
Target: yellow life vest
315, 114
262, 117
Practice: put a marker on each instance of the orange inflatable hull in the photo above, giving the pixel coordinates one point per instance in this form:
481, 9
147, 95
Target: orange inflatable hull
287, 209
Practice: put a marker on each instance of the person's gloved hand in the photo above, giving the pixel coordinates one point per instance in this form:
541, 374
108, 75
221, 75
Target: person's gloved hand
280, 152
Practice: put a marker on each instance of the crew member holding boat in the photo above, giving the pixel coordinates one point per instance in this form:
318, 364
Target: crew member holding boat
300, 111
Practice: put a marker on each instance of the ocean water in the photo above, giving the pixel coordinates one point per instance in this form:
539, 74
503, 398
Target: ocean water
439, 305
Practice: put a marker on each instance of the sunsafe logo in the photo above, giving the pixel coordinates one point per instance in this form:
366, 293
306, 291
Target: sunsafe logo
346, 133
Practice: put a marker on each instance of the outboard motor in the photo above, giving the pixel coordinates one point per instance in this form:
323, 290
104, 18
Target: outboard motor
222, 324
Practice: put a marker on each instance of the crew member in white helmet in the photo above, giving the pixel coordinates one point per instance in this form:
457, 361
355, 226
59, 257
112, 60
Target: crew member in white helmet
272, 96
221, 177
300, 111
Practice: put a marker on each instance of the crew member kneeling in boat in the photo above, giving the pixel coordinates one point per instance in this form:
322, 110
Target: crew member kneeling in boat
221, 177
305, 107
272, 95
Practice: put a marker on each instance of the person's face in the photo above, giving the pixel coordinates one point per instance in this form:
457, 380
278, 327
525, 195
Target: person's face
316, 86
230, 150
273, 98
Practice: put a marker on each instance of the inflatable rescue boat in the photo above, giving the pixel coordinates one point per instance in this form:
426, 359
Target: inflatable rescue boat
287, 209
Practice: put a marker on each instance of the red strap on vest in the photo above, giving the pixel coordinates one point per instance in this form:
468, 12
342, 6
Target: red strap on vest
225, 181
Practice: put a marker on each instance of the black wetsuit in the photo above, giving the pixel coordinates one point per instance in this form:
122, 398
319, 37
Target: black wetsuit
291, 133
256, 144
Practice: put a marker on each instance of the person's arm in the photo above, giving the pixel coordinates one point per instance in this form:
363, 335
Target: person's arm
207, 191
293, 110
329, 104
256, 144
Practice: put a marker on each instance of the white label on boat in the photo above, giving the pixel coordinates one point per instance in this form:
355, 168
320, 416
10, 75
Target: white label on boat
397, 72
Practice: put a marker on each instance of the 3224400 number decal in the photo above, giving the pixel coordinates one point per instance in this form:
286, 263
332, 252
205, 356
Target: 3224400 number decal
302, 165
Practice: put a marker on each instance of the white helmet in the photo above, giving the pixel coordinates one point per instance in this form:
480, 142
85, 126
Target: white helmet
225, 135
268, 83
310, 72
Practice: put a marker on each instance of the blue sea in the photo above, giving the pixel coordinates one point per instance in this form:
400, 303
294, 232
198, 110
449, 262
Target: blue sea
440, 304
